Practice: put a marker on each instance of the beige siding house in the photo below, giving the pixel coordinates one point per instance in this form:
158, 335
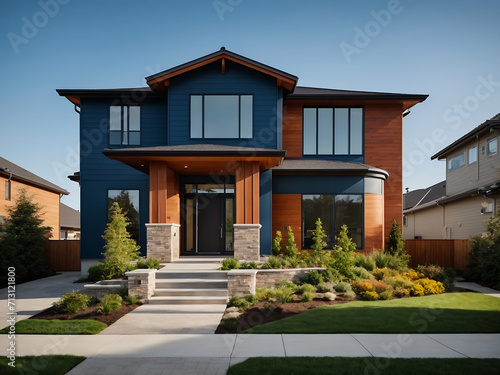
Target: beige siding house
459, 207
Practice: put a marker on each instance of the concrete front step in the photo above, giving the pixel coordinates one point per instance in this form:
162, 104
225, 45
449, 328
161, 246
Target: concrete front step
215, 292
186, 274
191, 283
188, 300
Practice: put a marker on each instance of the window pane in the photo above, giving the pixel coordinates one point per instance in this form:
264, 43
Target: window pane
211, 188
230, 188
492, 146
196, 116
356, 131
129, 202
341, 131
190, 225
190, 188
229, 224
115, 138
246, 116
325, 131
135, 118
472, 155
314, 207
309, 131
221, 117
349, 211
115, 117
134, 138
456, 161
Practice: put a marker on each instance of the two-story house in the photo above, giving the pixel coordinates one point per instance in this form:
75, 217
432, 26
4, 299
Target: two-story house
218, 153
459, 207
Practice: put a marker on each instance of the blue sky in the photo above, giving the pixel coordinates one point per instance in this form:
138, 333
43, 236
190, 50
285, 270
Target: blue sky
447, 49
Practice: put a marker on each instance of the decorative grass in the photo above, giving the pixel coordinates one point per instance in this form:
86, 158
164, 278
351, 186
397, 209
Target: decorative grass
57, 327
444, 313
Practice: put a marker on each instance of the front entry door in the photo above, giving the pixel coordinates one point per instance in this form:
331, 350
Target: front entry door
211, 225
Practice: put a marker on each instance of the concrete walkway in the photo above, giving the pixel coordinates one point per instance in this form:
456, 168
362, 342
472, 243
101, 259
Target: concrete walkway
478, 288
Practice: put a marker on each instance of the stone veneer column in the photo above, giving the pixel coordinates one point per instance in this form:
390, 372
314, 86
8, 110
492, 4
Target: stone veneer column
141, 283
247, 242
163, 242
241, 282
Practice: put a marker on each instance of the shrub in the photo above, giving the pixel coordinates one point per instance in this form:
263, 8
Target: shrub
110, 303
362, 273
291, 246
287, 284
384, 259
384, 273
122, 291
248, 266
313, 277
350, 294
149, 263
329, 296
251, 299
273, 262
307, 288
397, 282
379, 286
229, 324
102, 271
430, 286
276, 244
284, 295
369, 296
365, 261
385, 295
229, 264
331, 275
238, 302
292, 261
438, 273
264, 294
417, 290
362, 286
396, 245
317, 236
412, 275
400, 291
307, 296
342, 286
319, 258
342, 254
132, 300
325, 287
73, 302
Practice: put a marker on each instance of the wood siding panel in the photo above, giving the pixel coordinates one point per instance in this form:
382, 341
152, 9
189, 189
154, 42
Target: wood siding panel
384, 149
62, 255
292, 129
287, 211
173, 198
240, 194
247, 193
374, 222
48, 201
158, 192
255, 193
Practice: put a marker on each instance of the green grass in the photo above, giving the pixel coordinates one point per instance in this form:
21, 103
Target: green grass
366, 365
57, 327
40, 365
444, 313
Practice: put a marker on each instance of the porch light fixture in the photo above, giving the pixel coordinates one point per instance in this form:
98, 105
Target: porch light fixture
185, 167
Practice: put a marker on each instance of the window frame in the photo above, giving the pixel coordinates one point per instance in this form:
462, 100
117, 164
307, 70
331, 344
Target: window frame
449, 168
349, 131
468, 155
360, 246
488, 154
203, 130
125, 125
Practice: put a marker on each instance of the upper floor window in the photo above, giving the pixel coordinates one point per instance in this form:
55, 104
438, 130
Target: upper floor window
492, 147
124, 125
456, 161
333, 131
472, 154
221, 116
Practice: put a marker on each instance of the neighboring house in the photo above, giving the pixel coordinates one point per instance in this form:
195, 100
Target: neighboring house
13, 178
70, 223
459, 207
217, 154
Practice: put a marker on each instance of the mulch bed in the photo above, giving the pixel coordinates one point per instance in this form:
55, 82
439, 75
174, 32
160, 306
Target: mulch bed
265, 312
90, 313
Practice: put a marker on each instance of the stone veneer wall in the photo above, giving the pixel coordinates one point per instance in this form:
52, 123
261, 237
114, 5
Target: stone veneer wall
243, 282
247, 242
141, 282
163, 242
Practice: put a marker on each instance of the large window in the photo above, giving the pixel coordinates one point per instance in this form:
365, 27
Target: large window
124, 125
334, 211
456, 162
129, 202
492, 147
333, 131
472, 154
221, 116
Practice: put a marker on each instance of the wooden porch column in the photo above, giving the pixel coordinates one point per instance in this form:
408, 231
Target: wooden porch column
247, 193
157, 192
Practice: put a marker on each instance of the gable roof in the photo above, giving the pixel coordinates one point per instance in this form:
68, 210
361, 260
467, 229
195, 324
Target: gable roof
69, 217
419, 198
493, 124
20, 174
161, 79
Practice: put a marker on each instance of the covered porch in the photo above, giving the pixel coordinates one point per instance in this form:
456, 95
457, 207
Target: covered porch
203, 199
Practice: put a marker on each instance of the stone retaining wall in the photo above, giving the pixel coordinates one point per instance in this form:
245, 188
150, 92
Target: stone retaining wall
163, 242
141, 283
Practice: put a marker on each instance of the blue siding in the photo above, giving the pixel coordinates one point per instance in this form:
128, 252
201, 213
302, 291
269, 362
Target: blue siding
265, 211
349, 158
317, 184
237, 80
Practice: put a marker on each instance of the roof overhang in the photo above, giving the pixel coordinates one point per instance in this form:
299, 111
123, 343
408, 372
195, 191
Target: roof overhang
4, 172
125, 95
161, 80
196, 159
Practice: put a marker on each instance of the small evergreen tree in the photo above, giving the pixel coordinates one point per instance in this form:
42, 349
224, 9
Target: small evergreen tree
291, 247
318, 235
120, 249
23, 239
396, 245
342, 253
276, 244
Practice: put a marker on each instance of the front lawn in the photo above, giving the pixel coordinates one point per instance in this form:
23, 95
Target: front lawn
40, 365
365, 365
57, 327
444, 313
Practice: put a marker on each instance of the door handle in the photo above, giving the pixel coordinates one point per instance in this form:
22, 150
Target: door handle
220, 231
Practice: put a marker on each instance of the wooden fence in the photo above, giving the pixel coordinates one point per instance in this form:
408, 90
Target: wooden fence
445, 253
63, 255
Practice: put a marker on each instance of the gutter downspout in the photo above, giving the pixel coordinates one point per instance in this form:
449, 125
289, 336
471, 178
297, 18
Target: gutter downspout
477, 147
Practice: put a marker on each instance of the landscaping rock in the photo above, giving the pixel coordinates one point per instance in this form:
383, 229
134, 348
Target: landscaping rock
231, 309
330, 296
231, 315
